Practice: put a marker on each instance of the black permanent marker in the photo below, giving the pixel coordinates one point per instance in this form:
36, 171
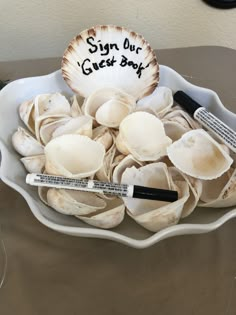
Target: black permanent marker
206, 119
121, 190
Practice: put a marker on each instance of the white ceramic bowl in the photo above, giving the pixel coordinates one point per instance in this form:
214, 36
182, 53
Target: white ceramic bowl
13, 173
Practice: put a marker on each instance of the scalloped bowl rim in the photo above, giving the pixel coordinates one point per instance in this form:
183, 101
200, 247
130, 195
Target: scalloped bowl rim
176, 230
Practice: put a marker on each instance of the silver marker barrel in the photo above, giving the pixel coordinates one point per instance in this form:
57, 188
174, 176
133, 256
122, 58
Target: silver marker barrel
121, 190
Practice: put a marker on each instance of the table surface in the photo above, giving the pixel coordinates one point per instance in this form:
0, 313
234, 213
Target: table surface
51, 273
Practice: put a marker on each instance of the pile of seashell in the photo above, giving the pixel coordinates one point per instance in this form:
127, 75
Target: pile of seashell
158, 146
110, 134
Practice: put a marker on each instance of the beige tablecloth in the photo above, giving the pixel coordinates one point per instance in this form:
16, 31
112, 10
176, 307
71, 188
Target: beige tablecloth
51, 273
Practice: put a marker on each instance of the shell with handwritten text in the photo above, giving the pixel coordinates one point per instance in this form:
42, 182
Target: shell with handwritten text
113, 57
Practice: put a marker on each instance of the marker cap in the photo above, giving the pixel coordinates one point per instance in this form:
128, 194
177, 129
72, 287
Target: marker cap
186, 102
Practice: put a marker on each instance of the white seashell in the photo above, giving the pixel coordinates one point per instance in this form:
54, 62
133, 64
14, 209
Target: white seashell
126, 162
81, 125
51, 104
197, 154
181, 121
180, 116
111, 113
158, 102
144, 136
225, 147
110, 56
42, 192
154, 215
73, 156
49, 126
104, 173
117, 159
26, 112
25, 144
174, 130
46, 120
109, 106
76, 104
34, 164
152, 175
104, 136
73, 202
107, 218
195, 190
121, 145
219, 192
166, 215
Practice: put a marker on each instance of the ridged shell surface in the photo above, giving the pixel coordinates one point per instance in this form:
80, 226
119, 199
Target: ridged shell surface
110, 56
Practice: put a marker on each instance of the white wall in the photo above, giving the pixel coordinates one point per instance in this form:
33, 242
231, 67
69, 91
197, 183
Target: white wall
43, 28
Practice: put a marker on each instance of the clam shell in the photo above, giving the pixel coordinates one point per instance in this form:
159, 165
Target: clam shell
73, 156
121, 145
166, 215
158, 102
25, 144
180, 116
195, 190
81, 125
53, 121
143, 135
152, 175
104, 136
197, 154
104, 173
72, 202
155, 215
76, 104
51, 104
107, 218
26, 112
42, 192
219, 192
126, 162
174, 130
34, 164
47, 129
110, 56
109, 106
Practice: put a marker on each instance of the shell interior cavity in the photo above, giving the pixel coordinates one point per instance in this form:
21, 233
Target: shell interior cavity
153, 214
125, 163
51, 103
110, 56
195, 190
152, 175
109, 106
220, 192
73, 156
197, 154
107, 218
74, 202
77, 125
26, 112
34, 164
25, 144
143, 135
158, 102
